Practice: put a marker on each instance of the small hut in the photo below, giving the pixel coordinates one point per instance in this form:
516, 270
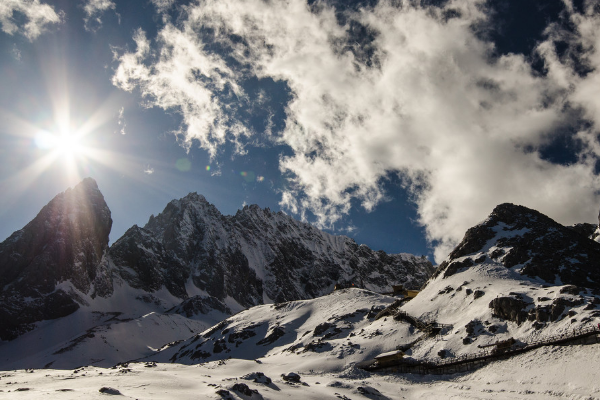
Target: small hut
390, 358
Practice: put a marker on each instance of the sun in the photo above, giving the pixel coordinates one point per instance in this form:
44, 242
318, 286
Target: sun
68, 144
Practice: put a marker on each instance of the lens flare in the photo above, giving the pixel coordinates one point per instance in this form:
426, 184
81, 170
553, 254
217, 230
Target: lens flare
183, 164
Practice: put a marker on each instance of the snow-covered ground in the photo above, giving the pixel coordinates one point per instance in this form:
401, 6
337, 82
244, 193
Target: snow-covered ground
322, 340
569, 372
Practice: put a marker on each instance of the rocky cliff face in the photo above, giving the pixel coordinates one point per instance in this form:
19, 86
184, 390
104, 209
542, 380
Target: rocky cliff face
253, 257
533, 245
64, 242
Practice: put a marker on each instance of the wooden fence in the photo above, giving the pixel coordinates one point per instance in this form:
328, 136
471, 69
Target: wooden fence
468, 362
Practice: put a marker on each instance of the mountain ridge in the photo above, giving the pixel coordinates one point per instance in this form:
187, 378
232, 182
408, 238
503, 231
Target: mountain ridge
190, 251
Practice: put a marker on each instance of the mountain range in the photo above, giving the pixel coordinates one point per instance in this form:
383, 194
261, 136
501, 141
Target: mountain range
190, 264
194, 286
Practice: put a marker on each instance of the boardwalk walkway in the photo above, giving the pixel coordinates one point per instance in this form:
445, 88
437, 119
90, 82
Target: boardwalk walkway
469, 362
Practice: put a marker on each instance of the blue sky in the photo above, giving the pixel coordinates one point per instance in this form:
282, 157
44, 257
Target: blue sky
400, 124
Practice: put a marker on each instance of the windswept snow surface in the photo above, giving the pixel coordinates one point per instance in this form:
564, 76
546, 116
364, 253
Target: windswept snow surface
463, 300
105, 331
328, 333
547, 373
321, 340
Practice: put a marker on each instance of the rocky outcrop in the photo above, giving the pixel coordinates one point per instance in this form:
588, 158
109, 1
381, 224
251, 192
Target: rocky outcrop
64, 242
509, 308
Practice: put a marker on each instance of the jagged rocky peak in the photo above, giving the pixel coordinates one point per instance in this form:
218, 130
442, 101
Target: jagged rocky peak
530, 243
252, 257
65, 241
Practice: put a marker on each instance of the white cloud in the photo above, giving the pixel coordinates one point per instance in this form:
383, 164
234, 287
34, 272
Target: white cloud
149, 170
121, 121
176, 80
37, 15
16, 52
162, 5
436, 109
93, 9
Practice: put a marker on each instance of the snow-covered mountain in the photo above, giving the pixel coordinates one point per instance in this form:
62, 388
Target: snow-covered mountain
479, 296
254, 257
517, 274
64, 291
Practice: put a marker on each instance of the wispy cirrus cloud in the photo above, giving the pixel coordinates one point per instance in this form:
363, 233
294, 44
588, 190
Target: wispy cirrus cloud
121, 121
418, 94
163, 5
38, 17
93, 10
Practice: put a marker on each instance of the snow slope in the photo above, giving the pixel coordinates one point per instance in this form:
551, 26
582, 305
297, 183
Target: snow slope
105, 331
547, 373
327, 334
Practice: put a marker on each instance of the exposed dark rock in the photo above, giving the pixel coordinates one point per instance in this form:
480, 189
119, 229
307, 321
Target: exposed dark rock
478, 293
225, 394
291, 377
472, 326
189, 241
540, 313
538, 325
272, 336
566, 301
219, 346
571, 289
65, 241
258, 377
584, 229
243, 389
497, 253
453, 267
509, 308
109, 390
322, 328
480, 259
244, 334
370, 392
446, 290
